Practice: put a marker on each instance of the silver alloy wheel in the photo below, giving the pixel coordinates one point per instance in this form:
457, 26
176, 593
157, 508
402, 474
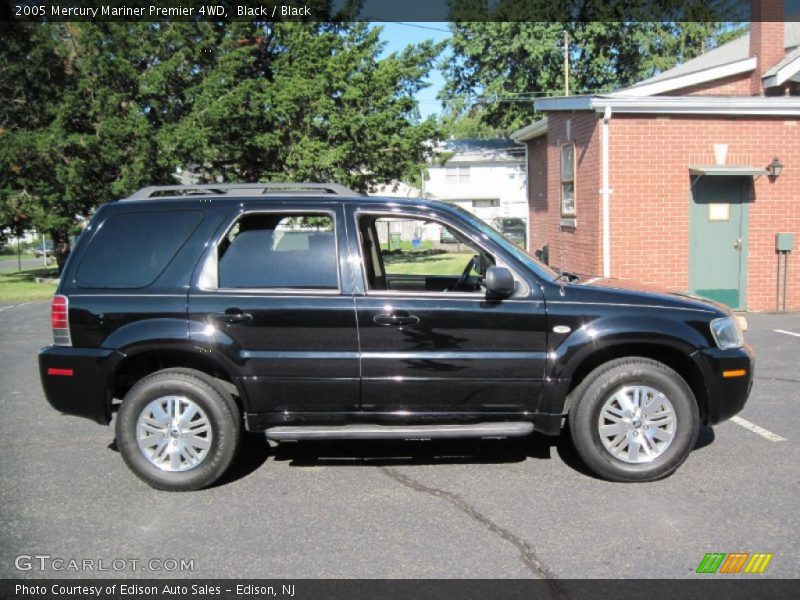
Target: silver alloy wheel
174, 433
637, 424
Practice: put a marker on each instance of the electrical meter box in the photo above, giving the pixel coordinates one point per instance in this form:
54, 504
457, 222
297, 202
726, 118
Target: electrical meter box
784, 242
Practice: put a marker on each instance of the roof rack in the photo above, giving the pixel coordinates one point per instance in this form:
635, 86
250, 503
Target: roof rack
240, 189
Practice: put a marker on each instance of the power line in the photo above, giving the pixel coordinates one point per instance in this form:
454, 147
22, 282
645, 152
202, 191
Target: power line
530, 96
410, 25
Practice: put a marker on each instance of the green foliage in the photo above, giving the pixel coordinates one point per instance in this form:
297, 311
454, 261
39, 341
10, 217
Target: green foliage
460, 121
307, 102
18, 212
96, 111
496, 69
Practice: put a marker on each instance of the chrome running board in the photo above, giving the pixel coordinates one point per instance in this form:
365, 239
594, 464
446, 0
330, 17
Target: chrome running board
398, 432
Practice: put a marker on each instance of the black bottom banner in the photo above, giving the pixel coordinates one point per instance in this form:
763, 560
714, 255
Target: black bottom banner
400, 589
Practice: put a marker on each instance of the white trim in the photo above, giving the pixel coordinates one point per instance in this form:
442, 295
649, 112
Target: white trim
712, 105
731, 105
528, 201
606, 195
784, 74
690, 79
533, 130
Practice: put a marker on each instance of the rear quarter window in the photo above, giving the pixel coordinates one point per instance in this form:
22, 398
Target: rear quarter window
130, 250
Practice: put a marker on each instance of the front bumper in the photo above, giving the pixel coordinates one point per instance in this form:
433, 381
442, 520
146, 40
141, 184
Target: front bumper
76, 380
726, 396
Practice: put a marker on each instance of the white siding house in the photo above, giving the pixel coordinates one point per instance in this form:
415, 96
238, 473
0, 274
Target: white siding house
486, 177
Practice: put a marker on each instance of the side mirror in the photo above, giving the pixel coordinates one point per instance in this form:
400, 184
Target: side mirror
499, 283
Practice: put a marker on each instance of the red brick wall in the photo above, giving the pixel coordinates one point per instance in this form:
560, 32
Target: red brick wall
571, 248
650, 202
537, 192
735, 85
766, 38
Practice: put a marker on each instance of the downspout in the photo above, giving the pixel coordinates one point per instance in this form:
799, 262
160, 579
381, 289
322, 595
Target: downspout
527, 202
606, 194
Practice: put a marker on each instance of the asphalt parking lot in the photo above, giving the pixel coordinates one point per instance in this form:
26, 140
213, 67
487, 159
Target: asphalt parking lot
400, 509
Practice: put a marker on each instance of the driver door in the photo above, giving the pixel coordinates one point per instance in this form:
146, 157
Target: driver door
429, 340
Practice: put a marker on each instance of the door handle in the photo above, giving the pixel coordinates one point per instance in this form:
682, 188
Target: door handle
396, 319
231, 316
737, 245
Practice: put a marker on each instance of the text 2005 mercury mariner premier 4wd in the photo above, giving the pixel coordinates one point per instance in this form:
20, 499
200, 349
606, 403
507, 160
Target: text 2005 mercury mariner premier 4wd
194, 312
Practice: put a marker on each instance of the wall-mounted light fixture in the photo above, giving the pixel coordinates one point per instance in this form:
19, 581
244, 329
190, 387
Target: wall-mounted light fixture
775, 168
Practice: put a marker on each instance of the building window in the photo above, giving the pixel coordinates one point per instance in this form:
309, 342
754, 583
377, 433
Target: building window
487, 203
568, 180
457, 174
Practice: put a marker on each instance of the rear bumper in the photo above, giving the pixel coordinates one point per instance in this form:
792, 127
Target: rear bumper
76, 380
726, 395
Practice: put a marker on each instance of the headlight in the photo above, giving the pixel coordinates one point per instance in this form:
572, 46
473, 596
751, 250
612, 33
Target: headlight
727, 333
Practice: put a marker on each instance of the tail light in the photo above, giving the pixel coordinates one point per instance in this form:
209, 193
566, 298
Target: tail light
59, 319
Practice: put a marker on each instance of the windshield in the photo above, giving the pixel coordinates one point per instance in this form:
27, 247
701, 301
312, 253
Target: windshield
522, 255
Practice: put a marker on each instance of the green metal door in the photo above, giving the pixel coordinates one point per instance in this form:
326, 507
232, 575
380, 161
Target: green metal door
718, 238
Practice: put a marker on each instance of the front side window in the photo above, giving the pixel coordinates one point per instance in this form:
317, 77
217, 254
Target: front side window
279, 250
568, 180
417, 255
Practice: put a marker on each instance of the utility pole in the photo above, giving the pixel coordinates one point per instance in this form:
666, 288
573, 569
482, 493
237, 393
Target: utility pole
566, 62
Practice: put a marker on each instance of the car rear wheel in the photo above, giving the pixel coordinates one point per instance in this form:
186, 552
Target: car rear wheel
178, 429
633, 419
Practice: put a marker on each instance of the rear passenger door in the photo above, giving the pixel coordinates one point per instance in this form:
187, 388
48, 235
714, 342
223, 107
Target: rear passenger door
273, 296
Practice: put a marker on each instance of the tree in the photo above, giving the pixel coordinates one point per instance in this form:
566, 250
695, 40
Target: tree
306, 101
498, 68
96, 110
18, 212
90, 138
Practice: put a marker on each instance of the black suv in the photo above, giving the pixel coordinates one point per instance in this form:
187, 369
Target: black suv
198, 312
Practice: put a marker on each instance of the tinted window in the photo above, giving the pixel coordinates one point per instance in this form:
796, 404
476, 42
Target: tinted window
274, 250
130, 250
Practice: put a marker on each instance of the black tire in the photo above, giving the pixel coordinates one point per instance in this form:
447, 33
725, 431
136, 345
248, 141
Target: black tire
211, 396
587, 401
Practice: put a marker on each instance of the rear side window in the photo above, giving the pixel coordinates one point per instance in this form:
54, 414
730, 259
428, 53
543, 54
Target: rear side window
279, 250
130, 250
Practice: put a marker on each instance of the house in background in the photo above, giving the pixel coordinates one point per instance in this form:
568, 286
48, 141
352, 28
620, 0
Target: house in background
683, 180
485, 177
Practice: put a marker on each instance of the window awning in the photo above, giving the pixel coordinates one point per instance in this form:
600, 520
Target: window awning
727, 170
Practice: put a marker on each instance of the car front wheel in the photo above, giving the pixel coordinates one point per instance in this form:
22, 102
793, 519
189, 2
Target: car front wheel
178, 429
633, 419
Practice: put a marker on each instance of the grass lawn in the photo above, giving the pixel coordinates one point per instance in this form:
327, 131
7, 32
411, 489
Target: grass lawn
437, 264
25, 255
21, 285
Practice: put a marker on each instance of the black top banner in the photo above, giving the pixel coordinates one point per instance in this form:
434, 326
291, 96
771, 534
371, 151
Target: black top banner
398, 11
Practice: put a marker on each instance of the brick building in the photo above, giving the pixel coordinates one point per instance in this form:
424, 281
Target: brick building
672, 181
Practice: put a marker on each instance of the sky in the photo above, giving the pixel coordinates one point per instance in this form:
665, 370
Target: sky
399, 35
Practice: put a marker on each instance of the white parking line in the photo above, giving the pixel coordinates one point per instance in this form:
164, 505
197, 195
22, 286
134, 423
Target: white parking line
13, 306
786, 332
772, 437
